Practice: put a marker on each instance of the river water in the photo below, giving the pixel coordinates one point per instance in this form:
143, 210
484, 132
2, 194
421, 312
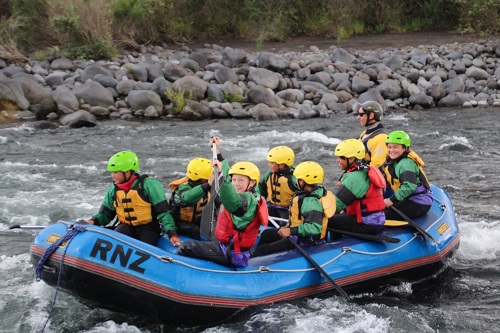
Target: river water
51, 175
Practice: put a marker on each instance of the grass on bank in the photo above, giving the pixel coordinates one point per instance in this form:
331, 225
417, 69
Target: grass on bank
96, 28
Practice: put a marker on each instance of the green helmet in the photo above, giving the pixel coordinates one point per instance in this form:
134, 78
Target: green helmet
281, 155
310, 172
199, 168
399, 137
350, 148
246, 169
371, 107
123, 161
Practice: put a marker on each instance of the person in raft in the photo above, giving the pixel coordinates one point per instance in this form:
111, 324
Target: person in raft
405, 176
279, 184
190, 195
369, 115
310, 209
359, 197
138, 201
241, 214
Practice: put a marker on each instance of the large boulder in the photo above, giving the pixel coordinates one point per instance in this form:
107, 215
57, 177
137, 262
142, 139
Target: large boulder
94, 94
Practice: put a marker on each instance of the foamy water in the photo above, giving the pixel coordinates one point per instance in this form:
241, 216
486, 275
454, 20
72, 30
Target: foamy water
61, 175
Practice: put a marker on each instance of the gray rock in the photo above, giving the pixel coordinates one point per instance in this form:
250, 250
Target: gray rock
92, 70
454, 85
455, 99
477, 73
142, 99
174, 72
78, 119
271, 61
105, 80
225, 74
12, 90
390, 89
264, 77
232, 57
259, 94
94, 93
62, 64
65, 100
263, 112
191, 85
341, 55
422, 100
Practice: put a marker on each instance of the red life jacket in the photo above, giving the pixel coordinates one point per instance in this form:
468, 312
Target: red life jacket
225, 229
373, 201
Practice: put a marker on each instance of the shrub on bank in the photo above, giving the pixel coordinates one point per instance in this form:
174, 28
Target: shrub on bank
95, 28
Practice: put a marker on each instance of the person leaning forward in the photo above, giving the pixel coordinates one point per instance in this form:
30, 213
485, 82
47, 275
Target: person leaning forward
190, 195
242, 213
359, 197
138, 201
373, 137
310, 209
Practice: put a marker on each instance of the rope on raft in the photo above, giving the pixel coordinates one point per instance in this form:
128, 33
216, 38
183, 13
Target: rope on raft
70, 234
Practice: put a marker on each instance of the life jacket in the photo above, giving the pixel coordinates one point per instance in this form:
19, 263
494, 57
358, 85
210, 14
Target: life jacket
365, 137
327, 202
133, 207
245, 238
392, 178
183, 212
373, 201
278, 191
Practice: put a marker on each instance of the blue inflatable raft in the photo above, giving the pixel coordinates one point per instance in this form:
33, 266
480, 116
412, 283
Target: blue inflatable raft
123, 274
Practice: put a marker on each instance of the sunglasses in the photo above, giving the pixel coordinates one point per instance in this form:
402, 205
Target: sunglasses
360, 114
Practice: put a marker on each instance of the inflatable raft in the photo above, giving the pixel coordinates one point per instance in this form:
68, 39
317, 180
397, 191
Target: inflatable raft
120, 273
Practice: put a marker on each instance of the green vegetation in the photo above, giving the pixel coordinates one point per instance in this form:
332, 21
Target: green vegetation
179, 99
96, 28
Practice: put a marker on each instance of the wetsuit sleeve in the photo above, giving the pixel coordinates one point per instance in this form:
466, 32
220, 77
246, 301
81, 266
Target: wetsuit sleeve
107, 211
191, 195
263, 185
354, 186
378, 149
156, 194
312, 211
407, 173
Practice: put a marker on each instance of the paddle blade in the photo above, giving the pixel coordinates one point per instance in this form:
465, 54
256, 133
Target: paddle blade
395, 223
209, 217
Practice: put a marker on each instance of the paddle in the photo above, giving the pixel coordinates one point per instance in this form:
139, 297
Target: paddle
413, 224
18, 226
376, 238
395, 223
314, 263
208, 216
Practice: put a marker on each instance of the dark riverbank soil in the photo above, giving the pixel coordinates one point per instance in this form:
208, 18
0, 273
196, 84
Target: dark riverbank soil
368, 42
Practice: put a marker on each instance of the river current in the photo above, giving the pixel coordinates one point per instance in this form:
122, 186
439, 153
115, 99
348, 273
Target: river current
51, 175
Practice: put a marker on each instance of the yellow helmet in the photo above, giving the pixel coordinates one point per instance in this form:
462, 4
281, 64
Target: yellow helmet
310, 172
281, 155
350, 148
246, 169
199, 168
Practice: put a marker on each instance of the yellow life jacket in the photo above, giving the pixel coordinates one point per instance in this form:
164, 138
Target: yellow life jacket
375, 139
183, 212
393, 180
278, 191
327, 202
133, 208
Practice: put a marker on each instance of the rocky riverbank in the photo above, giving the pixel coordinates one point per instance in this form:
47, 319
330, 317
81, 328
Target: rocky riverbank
225, 82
